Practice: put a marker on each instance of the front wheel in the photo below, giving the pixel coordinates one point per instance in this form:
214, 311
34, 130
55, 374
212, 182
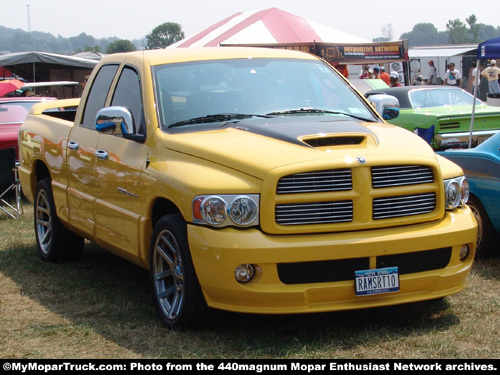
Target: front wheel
55, 243
176, 291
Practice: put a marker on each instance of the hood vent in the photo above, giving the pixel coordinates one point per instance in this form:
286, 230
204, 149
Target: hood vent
333, 141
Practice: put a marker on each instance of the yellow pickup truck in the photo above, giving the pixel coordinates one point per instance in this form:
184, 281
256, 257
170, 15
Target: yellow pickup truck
245, 179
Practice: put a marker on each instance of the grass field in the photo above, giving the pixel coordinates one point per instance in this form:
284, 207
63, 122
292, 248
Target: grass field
100, 307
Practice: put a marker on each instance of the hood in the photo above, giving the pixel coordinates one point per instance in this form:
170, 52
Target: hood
256, 146
456, 111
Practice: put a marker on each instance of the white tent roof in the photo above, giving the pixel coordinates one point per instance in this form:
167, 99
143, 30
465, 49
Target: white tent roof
266, 26
442, 51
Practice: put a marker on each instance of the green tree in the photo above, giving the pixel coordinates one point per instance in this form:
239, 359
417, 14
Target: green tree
473, 29
121, 45
96, 48
423, 34
457, 32
164, 35
488, 32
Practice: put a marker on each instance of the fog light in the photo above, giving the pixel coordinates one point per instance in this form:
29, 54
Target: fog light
464, 252
244, 273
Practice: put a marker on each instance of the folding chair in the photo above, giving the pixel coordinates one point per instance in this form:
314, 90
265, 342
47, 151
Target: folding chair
427, 134
9, 181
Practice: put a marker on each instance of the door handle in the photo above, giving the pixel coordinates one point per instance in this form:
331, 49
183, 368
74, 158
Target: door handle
101, 154
72, 145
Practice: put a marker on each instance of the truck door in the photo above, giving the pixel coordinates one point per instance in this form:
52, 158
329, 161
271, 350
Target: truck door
81, 154
118, 209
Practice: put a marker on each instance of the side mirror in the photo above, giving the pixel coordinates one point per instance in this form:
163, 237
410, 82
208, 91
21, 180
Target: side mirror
118, 120
115, 120
386, 105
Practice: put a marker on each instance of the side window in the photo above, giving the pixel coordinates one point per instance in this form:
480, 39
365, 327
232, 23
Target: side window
128, 94
98, 93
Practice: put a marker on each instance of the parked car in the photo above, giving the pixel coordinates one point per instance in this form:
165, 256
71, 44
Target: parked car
442, 115
365, 85
13, 111
482, 168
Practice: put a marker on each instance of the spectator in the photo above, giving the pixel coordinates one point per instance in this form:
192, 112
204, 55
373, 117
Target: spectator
492, 72
452, 77
84, 82
384, 76
342, 69
366, 72
475, 78
394, 77
432, 80
376, 72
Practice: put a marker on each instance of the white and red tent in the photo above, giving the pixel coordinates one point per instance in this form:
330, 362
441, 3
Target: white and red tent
266, 27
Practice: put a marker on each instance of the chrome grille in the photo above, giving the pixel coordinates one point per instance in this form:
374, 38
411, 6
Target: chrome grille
318, 181
314, 213
406, 205
399, 175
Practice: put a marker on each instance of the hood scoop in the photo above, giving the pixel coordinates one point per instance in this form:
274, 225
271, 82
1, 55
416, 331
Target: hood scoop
328, 141
310, 131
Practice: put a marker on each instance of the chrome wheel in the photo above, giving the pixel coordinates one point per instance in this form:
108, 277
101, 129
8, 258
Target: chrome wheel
43, 222
177, 295
479, 220
484, 243
168, 275
55, 243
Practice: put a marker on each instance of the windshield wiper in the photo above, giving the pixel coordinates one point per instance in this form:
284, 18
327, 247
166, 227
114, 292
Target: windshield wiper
215, 118
316, 110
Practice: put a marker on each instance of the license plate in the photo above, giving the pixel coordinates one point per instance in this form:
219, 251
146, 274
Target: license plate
378, 281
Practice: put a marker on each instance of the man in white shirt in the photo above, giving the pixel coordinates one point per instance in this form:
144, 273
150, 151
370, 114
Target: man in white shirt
432, 74
452, 77
475, 78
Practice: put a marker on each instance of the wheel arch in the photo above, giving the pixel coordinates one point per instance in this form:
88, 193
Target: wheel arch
160, 207
39, 171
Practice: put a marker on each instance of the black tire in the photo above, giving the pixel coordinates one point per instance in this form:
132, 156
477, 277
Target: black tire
485, 231
177, 293
55, 243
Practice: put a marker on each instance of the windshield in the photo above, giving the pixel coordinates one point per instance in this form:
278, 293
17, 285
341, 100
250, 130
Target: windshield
222, 90
441, 98
14, 112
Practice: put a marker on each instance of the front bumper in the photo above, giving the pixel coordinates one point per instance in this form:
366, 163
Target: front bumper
461, 139
216, 254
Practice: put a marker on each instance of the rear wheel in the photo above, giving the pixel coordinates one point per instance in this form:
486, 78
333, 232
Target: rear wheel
485, 230
55, 243
177, 294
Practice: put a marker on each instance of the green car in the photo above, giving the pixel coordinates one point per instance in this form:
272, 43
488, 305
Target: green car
442, 115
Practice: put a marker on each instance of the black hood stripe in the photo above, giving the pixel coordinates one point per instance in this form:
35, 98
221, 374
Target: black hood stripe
291, 129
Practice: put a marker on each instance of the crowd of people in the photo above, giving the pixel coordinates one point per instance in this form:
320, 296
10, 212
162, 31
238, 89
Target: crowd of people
452, 76
379, 72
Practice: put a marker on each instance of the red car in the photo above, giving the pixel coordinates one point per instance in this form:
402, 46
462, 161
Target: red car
13, 111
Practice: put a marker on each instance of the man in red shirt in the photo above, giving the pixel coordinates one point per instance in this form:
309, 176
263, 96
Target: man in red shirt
394, 79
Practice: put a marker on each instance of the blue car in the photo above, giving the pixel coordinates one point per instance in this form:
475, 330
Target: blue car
482, 168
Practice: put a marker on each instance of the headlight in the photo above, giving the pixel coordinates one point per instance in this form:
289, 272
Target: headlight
224, 210
213, 210
243, 210
456, 192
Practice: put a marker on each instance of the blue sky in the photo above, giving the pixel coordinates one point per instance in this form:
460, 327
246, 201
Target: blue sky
132, 19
